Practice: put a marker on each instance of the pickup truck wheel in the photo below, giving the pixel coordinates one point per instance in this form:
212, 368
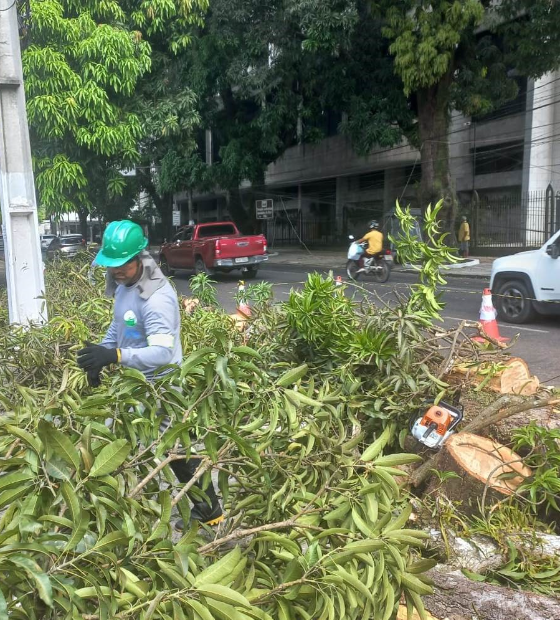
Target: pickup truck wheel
164, 266
513, 302
251, 273
200, 267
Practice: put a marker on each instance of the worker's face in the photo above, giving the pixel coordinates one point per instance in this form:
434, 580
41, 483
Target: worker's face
128, 273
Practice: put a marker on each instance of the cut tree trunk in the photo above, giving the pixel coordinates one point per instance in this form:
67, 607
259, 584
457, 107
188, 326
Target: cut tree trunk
458, 598
515, 378
478, 462
481, 554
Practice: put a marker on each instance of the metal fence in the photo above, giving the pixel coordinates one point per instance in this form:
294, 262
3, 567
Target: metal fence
292, 229
518, 222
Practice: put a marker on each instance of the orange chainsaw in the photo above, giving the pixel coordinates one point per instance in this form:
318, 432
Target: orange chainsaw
433, 425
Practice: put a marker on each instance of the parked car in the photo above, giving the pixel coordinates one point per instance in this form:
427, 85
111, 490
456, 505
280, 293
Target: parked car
527, 283
209, 248
46, 240
66, 246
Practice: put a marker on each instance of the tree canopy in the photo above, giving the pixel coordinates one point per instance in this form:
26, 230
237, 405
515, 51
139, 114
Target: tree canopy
82, 64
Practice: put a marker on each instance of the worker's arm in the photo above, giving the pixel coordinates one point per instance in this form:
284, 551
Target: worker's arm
110, 340
161, 321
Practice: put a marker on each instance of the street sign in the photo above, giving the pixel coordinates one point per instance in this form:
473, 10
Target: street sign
176, 218
265, 209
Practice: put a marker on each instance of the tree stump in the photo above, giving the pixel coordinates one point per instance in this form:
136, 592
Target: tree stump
515, 378
478, 462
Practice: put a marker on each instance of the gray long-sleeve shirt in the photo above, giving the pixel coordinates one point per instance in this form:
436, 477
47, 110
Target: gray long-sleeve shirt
146, 323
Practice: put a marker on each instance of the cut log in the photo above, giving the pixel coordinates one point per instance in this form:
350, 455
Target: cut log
481, 554
478, 462
515, 378
458, 598
547, 417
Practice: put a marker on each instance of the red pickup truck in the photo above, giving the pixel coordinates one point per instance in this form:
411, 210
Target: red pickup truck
214, 247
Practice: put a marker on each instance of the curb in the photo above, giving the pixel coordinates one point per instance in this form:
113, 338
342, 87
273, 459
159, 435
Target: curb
474, 276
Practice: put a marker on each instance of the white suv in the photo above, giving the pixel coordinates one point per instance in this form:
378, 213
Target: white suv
528, 282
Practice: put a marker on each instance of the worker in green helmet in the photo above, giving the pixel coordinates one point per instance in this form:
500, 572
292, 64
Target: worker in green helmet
145, 330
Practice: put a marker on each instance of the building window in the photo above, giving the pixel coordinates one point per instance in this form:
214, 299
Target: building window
371, 180
505, 157
413, 174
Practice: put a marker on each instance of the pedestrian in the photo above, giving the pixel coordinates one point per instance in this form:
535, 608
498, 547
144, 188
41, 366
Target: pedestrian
464, 237
145, 331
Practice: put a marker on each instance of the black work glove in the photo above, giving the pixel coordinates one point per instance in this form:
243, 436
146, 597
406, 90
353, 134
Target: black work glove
94, 380
95, 356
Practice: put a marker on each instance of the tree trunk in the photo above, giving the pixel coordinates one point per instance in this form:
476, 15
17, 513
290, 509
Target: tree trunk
458, 598
83, 217
433, 127
238, 212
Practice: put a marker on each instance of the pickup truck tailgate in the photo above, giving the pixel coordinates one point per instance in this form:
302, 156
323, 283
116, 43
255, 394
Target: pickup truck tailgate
240, 247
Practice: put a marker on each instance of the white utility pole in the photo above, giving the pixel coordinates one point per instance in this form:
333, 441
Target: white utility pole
20, 226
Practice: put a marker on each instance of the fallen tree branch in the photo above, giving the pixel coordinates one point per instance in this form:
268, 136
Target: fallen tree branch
483, 422
457, 598
279, 525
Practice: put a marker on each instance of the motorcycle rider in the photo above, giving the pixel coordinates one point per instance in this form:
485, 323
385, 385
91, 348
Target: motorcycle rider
145, 330
374, 239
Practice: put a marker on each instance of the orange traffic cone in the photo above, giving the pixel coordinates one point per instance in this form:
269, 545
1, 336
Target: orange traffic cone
488, 319
243, 307
338, 281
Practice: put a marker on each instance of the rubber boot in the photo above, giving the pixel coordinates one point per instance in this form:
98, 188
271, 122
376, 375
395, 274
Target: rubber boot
208, 514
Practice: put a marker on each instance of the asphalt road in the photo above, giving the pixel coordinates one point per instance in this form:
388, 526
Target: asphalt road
537, 342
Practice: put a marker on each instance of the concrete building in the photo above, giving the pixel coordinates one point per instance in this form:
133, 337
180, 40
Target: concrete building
501, 164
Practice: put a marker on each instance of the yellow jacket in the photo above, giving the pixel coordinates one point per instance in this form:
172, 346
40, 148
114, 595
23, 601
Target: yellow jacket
464, 232
375, 241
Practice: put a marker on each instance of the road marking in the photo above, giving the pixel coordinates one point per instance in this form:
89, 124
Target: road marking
525, 329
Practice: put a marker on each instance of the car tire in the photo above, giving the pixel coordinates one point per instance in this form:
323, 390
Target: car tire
164, 266
513, 302
251, 273
200, 267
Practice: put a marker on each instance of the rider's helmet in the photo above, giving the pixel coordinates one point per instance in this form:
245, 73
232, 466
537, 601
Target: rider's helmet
374, 225
122, 241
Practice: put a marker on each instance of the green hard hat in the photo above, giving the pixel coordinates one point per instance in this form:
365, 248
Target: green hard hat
122, 241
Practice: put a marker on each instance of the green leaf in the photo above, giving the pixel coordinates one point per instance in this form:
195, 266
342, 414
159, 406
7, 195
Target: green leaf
473, 576
33, 570
110, 458
223, 594
78, 532
377, 446
13, 480
28, 438
161, 529
292, 376
72, 501
59, 444
200, 609
10, 495
3, 607
220, 569
110, 540
58, 470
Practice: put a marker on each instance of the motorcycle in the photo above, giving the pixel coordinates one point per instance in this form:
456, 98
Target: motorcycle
359, 263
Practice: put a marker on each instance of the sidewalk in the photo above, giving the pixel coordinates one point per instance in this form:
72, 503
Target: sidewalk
475, 267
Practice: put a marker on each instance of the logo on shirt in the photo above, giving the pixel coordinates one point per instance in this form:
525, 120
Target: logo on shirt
130, 318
